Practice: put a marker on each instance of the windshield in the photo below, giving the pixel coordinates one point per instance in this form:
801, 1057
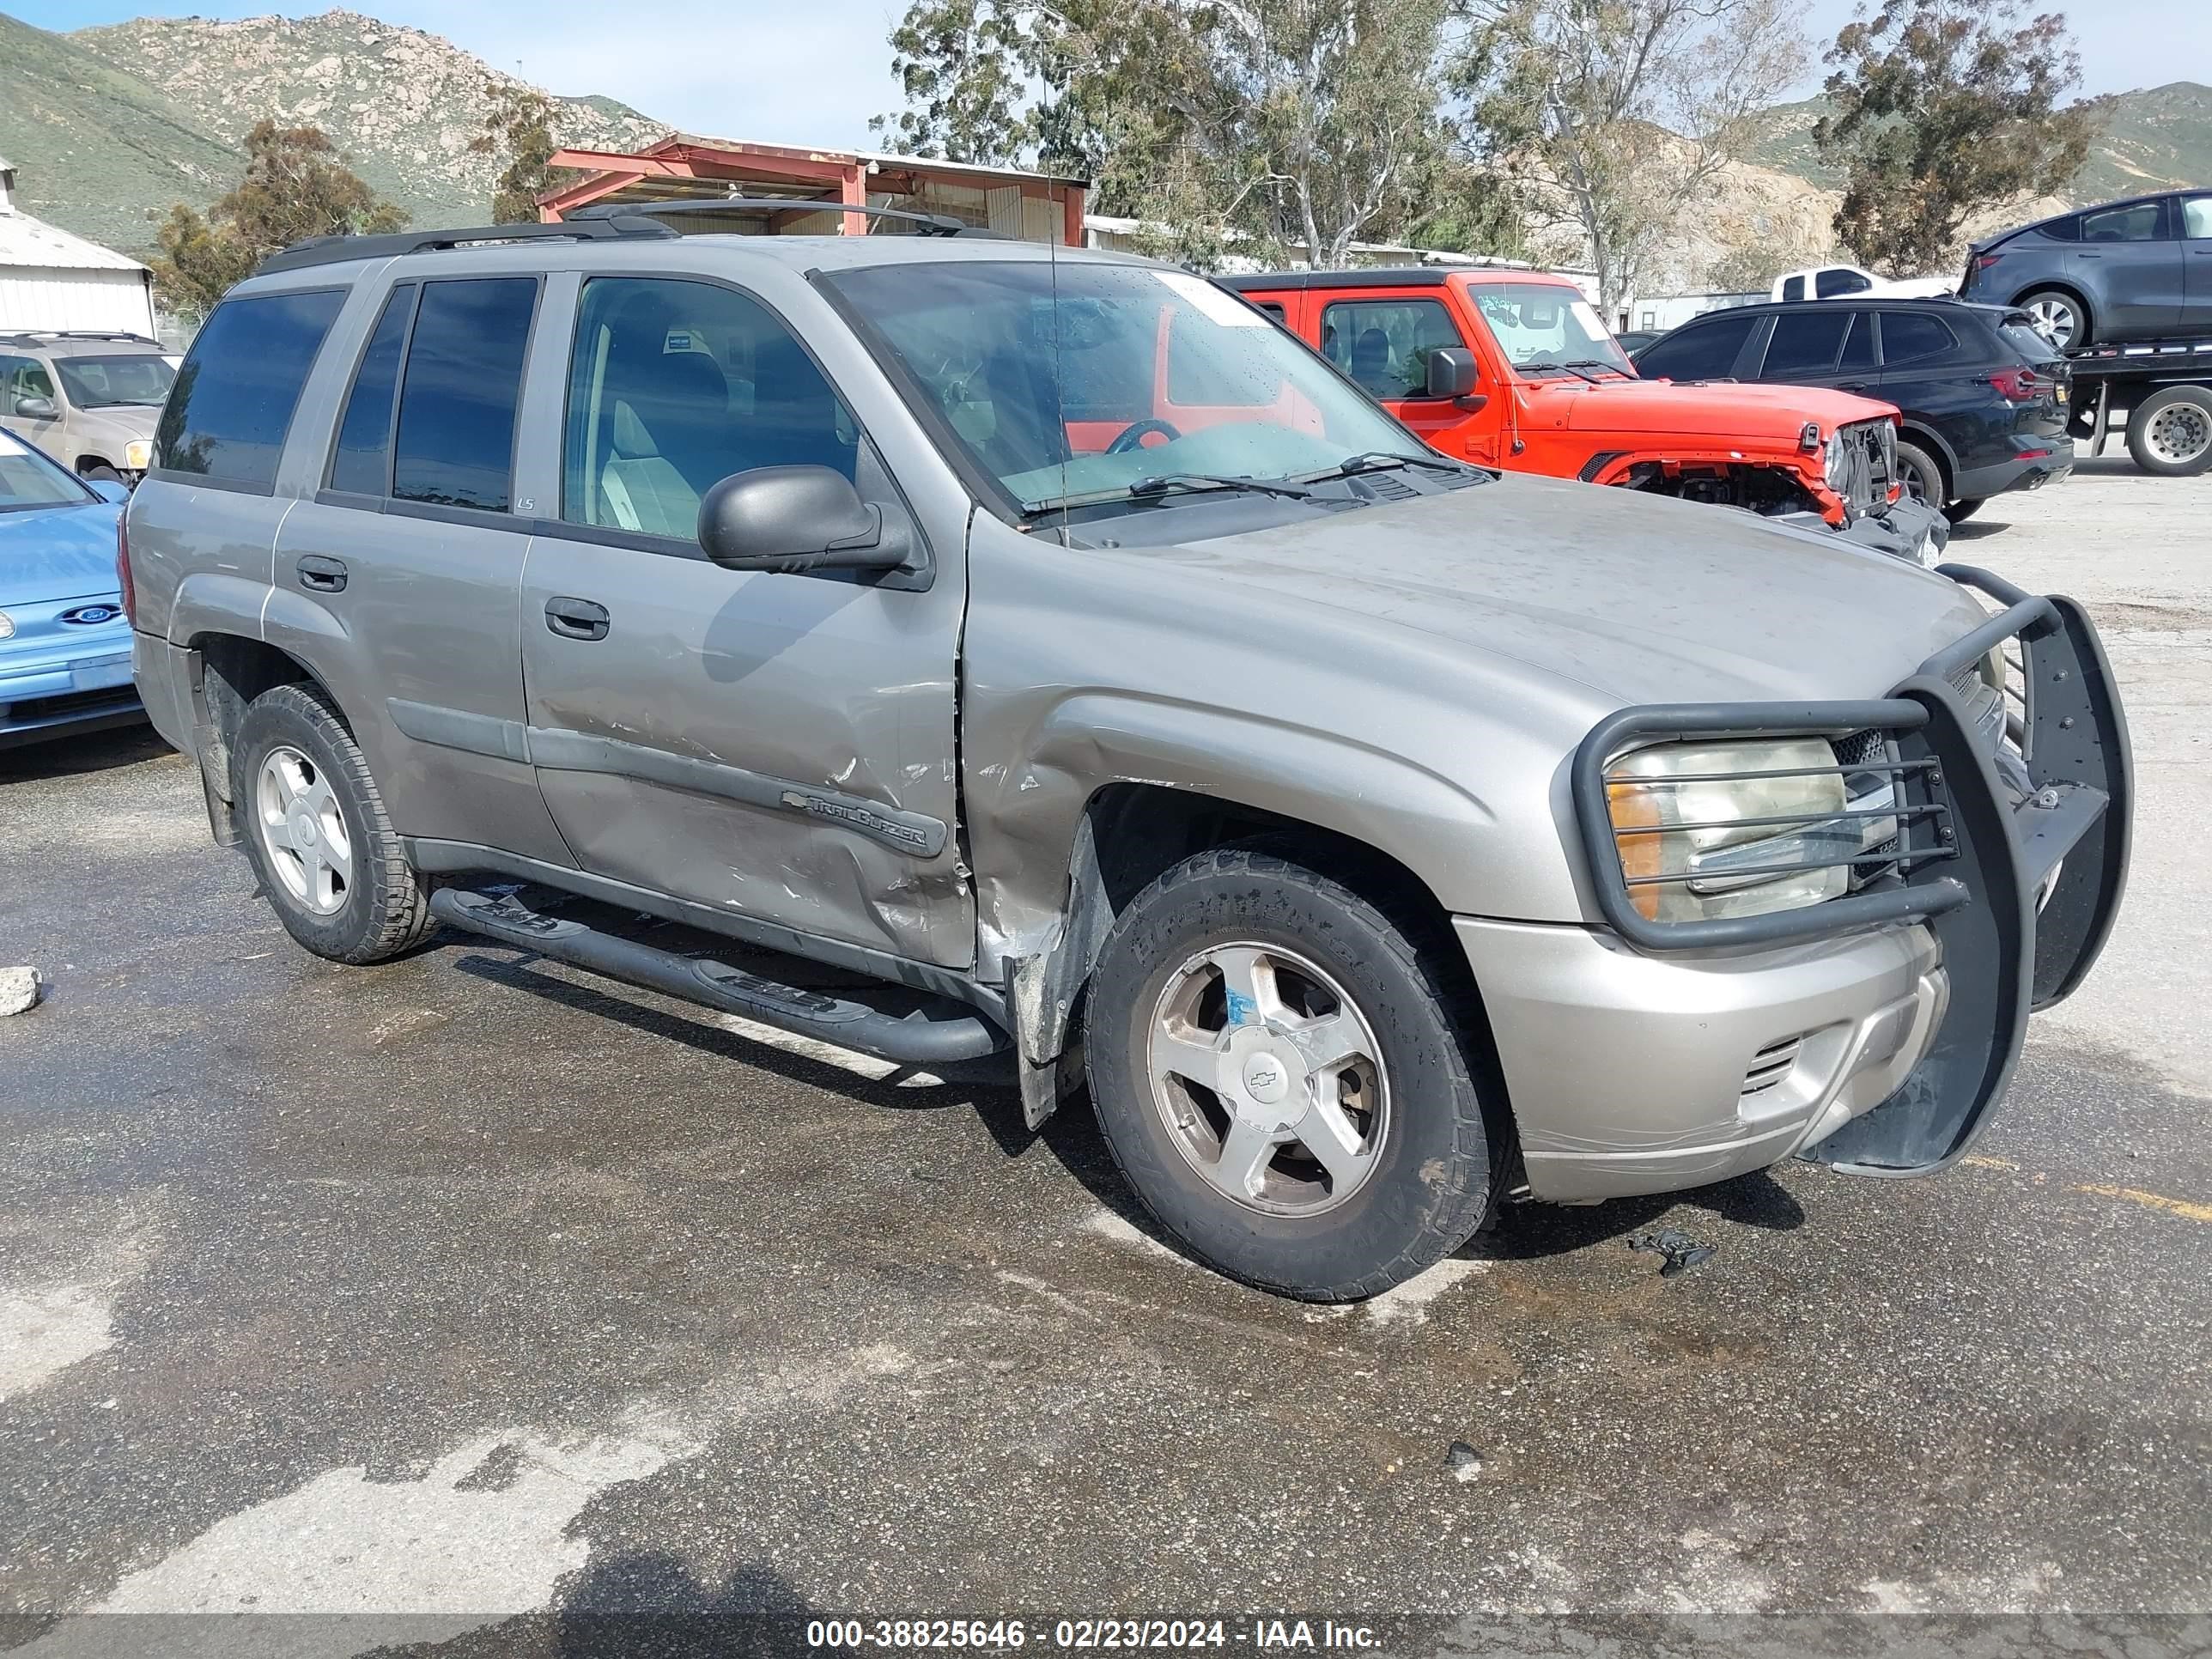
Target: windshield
103, 382
1544, 328
29, 479
1075, 382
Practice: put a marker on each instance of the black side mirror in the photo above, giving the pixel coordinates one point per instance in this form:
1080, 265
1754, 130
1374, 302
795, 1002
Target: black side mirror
792, 519
37, 409
1451, 372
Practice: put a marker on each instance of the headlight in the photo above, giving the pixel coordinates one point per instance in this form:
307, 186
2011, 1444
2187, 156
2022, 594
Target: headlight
1838, 466
1707, 830
138, 454
7, 626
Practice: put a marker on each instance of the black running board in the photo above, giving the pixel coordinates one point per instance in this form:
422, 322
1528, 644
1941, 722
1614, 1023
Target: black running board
915, 1040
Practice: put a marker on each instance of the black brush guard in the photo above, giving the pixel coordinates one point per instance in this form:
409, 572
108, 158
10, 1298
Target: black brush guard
1966, 862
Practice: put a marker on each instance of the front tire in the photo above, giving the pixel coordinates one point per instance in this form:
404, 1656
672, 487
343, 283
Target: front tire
313, 824
1921, 473
1284, 1080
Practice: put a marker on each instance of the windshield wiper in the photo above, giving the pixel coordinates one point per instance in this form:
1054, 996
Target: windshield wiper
1598, 362
1166, 483
1578, 369
1379, 460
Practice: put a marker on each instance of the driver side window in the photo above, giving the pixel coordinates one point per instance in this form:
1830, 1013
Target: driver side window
1384, 345
675, 385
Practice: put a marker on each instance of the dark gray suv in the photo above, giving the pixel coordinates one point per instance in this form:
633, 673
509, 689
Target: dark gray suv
2139, 270
1048, 638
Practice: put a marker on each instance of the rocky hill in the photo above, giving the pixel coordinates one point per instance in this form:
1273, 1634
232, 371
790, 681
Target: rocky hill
109, 127
2152, 139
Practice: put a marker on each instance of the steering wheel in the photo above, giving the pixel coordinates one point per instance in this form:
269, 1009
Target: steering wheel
1137, 432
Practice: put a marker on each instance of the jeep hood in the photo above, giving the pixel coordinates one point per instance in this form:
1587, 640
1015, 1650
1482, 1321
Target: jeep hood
1764, 415
1637, 598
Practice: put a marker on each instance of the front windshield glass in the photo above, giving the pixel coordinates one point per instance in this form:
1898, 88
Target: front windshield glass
29, 479
1084, 380
103, 382
1546, 329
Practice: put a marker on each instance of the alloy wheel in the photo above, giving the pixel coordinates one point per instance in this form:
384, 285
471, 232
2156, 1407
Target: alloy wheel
2057, 319
302, 830
1269, 1079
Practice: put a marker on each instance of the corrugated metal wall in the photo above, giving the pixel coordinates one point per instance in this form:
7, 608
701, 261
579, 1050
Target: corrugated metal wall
32, 296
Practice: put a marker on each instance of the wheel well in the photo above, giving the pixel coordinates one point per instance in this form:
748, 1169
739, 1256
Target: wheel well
1921, 438
2069, 289
83, 462
1141, 829
234, 671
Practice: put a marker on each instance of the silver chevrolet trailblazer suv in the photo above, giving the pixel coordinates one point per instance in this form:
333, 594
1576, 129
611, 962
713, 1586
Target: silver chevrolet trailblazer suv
1050, 639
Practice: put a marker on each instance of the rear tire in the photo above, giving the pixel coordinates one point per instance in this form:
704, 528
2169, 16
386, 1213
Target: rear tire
1322, 1137
1921, 473
1959, 511
2059, 318
314, 827
2170, 432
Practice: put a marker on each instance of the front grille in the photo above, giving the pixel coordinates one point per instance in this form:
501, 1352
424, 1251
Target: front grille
67, 703
1869, 465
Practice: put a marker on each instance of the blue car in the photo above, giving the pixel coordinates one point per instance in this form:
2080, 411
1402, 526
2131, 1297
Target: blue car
64, 641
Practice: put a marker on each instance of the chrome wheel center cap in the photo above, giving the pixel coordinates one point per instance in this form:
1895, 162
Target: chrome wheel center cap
304, 830
1270, 1082
1265, 1079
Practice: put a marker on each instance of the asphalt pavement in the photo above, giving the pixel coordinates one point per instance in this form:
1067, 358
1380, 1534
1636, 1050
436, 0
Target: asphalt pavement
472, 1289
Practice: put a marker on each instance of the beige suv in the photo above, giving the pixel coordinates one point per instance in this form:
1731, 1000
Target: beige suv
89, 400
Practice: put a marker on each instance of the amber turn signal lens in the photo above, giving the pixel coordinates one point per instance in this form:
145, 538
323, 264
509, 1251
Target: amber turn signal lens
1633, 806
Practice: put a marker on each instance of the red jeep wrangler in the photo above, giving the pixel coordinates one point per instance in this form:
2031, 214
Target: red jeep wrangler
1515, 370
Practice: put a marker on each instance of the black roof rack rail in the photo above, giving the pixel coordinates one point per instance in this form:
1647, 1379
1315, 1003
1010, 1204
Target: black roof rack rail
933, 224
336, 249
29, 335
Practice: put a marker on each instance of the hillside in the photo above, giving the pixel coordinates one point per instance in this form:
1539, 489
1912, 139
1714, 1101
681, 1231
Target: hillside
2153, 138
104, 150
96, 148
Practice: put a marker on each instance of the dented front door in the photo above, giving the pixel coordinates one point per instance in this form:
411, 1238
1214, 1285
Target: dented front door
778, 747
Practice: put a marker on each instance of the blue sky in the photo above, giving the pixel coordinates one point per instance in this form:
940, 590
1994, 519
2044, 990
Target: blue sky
813, 72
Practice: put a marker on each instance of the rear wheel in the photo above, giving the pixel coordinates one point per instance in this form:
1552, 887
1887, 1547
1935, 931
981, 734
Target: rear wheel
2170, 432
1959, 511
1284, 1080
1921, 474
315, 828
2058, 316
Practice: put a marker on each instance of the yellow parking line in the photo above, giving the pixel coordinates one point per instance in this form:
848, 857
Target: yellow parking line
2154, 1201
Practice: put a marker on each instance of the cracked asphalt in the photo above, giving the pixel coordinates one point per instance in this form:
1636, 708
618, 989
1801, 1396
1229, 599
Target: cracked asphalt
469, 1289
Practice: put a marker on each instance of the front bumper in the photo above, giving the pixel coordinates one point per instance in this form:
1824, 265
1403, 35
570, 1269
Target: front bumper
1874, 1031
1907, 528
65, 697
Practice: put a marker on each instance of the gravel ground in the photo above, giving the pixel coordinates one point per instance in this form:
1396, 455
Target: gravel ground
465, 1288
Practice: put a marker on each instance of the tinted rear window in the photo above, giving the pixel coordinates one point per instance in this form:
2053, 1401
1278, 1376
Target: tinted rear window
456, 440
233, 402
362, 462
1696, 351
1909, 337
1806, 341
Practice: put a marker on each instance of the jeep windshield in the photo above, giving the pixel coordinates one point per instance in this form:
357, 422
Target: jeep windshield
1113, 388
1546, 329
105, 382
